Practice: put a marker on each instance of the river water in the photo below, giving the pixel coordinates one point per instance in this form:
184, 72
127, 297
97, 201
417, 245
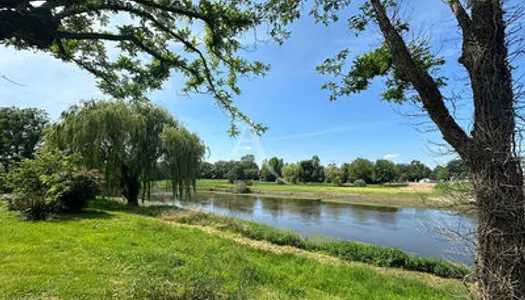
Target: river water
425, 232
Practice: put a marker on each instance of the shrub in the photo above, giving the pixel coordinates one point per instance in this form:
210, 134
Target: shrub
279, 181
50, 183
72, 191
241, 187
32, 207
359, 183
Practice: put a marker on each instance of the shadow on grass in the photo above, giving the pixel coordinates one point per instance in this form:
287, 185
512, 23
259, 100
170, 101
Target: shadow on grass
86, 215
116, 205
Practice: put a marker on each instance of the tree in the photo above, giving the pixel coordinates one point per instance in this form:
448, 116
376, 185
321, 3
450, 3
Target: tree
292, 173
250, 168
385, 171
334, 174
220, 168
457, 168
441, 173
418, 170
404, 172
146, 33
21, 129
312, 170
183, 152
206, 170
271, 169
412, 74
122, 141
361, 168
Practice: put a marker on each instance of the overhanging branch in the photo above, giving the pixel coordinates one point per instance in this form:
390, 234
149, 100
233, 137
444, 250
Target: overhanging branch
424, 84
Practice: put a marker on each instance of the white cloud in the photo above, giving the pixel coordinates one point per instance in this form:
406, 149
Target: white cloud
247, 148
391, 156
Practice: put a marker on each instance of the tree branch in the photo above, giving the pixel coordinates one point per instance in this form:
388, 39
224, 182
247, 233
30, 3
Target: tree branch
423, 83
461, 15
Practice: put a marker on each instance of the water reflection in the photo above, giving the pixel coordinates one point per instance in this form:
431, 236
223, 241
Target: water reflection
413, 230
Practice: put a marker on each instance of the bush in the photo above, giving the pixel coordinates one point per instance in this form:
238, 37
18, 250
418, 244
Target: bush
279, 181
241, 187
71, 192
50, 183
360, 183
31, 207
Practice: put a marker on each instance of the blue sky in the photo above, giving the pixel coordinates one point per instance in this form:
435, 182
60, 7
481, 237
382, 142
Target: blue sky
302, 121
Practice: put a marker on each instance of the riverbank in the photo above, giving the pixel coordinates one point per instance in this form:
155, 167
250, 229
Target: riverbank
376, 195
114, 251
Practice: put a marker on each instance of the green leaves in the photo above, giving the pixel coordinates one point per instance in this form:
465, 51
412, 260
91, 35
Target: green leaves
378, 63
20, 132
126, 140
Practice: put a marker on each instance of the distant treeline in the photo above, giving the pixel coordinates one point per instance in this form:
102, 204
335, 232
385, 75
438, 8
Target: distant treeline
381, 171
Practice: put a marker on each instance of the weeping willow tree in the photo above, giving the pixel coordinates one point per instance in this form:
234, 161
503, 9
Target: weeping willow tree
125, 140
182, 154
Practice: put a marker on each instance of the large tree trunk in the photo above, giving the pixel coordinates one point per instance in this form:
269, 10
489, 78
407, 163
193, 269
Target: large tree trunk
489, 153
130, 185
500, 200
495, 167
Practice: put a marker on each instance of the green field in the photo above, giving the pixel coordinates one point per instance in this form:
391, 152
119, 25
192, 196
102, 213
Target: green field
371, 194
113, 252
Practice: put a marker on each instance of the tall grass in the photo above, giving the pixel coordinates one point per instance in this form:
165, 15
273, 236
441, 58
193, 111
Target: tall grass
345, 250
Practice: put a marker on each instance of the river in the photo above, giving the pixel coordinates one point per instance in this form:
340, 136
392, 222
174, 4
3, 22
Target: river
419, 231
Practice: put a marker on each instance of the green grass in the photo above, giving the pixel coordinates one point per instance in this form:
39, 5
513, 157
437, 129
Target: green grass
345, 250
111, 253
372, 194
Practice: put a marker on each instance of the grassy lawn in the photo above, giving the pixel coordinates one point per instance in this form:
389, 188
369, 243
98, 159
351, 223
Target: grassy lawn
109, 252
371, 194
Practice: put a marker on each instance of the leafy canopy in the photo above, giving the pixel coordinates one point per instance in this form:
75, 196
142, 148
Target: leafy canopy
126, 140
134, 46
20, 131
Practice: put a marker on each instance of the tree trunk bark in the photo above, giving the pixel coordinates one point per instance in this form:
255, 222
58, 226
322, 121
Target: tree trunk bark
501, 230
130, 185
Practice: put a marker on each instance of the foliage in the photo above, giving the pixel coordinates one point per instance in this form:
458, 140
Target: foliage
249, 166
361, 168
333, 174
126, 141
312, 170
21, 129
346, 250
414, 171
457, 169
292, 173
385, 171
207, 35
206, 170
51, 182
241, 187
440, 173
182, 152
271, 169
359, 183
